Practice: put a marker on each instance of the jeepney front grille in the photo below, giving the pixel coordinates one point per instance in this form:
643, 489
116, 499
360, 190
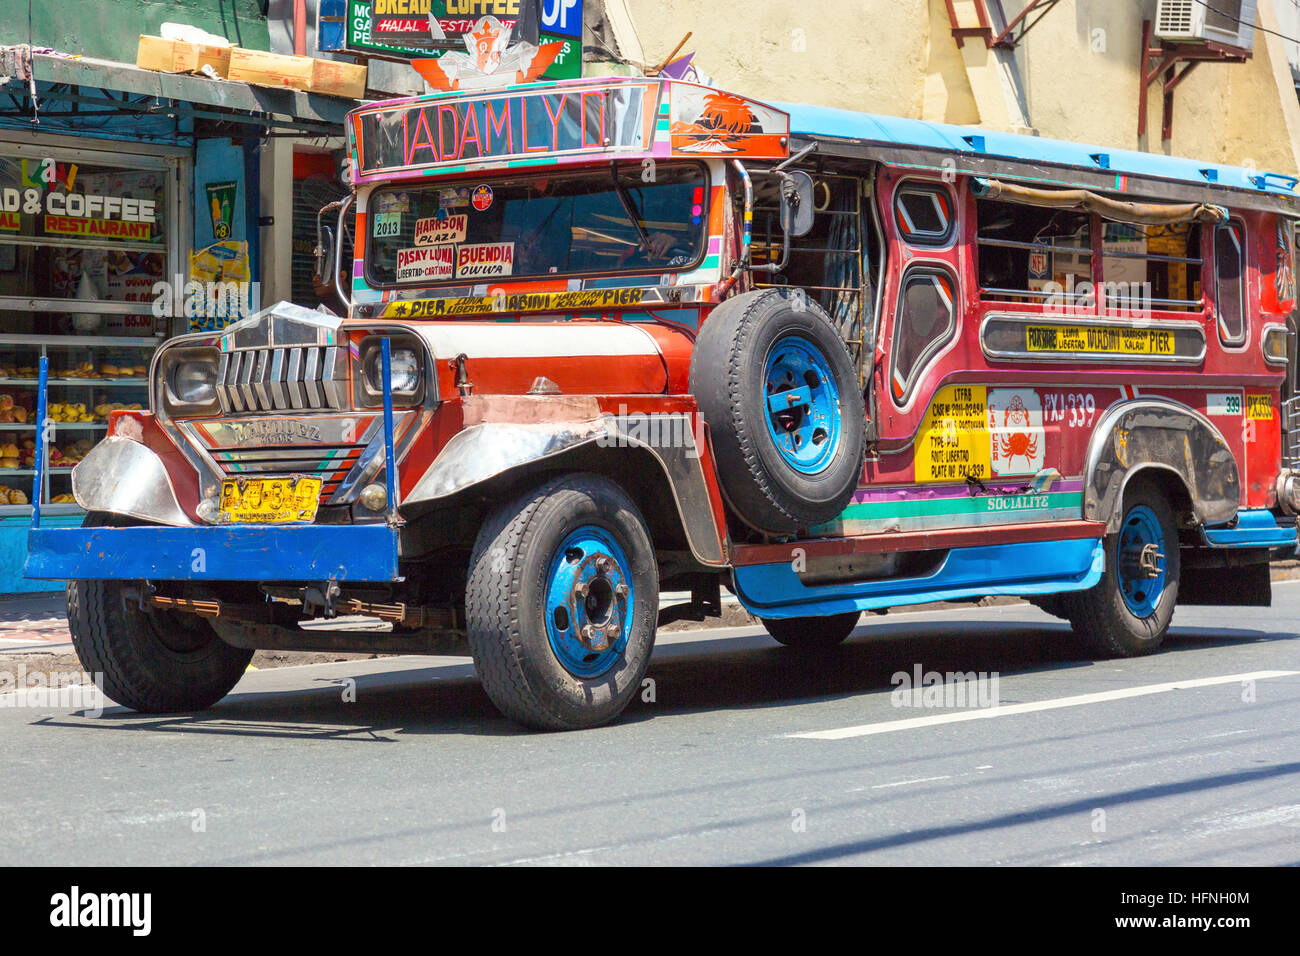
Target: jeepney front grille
1291, 433
301, 377
330, 463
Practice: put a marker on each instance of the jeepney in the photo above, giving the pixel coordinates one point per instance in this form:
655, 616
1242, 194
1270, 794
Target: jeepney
611, 338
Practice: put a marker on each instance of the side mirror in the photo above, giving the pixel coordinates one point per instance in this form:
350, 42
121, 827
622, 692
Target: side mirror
797, 205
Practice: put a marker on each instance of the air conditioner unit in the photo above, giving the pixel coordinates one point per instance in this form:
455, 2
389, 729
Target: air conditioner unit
1230, 22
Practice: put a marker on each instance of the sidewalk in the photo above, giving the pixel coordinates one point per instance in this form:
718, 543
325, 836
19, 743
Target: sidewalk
33, 622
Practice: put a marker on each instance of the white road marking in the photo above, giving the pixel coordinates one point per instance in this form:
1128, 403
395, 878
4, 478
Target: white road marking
904, 783
892, 726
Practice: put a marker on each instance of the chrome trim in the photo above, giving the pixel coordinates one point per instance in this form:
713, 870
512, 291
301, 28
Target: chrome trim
685, 474
309, 375
1161, 434
279, 395
121, 476
293, 380
482, 452
1268, 330
331, 381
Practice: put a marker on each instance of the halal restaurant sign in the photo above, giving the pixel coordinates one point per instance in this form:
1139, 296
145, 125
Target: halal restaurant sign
570, 122
85, 215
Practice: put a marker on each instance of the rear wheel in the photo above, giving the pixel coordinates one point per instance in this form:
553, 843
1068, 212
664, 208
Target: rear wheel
562, 603
812, 634
1128, 612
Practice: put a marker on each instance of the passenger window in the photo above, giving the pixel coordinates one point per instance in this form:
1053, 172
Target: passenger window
827, 262
1151, 267
924, 214
926, 321
1032, 254
1229, 291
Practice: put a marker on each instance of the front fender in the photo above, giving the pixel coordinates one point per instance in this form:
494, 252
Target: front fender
484, 451
1165, 435
121, 476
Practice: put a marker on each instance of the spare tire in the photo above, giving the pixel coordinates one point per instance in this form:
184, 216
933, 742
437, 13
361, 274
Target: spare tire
779, 393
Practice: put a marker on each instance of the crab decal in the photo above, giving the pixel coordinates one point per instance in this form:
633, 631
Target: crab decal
1013, 444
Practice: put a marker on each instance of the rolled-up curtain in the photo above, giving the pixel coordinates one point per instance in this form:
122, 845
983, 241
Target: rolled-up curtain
1152, 214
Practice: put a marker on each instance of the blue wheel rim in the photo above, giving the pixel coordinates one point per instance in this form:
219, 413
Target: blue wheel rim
1142, 561
589, 602
803, 404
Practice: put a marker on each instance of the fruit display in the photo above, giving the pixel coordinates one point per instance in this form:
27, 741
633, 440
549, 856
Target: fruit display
11, 412
68, 454
13, 496
88, 381
78, 370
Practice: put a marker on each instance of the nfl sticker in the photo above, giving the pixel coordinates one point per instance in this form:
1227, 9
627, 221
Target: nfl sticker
440, 232
483, 198
427, 263
484, 259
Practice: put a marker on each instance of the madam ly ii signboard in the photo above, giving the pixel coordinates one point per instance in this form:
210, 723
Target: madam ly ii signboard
569, 122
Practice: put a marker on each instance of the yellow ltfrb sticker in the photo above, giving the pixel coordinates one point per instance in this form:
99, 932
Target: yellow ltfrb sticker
1260, 407
1078, 338
953, 441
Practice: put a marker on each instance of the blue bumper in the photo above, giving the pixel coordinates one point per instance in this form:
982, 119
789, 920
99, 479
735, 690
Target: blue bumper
239, 553
1254, 529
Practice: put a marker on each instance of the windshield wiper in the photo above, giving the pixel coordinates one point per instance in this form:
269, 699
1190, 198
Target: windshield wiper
626, 198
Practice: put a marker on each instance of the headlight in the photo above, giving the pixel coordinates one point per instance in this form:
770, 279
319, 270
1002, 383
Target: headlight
403, 368
189, 378
194, 383
406, 374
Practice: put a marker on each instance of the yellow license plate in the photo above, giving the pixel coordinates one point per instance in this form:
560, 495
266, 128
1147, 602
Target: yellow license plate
270, 500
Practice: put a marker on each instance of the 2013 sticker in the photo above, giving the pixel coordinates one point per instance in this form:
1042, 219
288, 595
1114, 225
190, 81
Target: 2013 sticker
388, 225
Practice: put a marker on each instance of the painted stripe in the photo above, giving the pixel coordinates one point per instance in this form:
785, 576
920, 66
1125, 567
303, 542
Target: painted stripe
1028, 503
892, 726
535, 340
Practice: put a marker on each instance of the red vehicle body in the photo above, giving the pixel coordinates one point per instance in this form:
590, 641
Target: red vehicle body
607, 338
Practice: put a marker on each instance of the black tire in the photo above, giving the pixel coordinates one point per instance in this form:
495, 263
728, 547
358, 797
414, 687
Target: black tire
1100, 616
156, 662
812, 634
727, 380
505, 604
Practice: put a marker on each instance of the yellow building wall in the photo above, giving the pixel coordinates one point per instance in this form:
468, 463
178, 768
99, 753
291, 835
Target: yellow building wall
1078, 69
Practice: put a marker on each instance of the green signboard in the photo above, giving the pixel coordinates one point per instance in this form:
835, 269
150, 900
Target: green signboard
360, 37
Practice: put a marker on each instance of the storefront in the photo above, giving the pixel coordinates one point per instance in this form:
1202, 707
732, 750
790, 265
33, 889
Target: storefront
129, 212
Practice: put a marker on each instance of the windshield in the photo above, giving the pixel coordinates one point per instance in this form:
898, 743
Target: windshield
593, 222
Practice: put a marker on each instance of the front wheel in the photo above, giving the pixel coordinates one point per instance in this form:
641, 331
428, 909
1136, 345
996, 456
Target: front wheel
562, 603
1128, 612
153, 661
812, 635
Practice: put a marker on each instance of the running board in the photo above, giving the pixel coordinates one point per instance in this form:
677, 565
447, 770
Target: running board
1039, 567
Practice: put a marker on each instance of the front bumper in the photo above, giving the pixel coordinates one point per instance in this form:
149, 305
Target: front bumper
306, 553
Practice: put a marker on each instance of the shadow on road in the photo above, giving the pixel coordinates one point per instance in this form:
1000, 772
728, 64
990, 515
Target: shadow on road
703, 675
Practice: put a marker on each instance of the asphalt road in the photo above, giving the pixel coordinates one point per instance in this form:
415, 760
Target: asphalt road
746, 755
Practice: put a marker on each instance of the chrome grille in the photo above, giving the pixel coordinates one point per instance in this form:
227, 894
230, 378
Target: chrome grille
1291, 433
329, 463
301, 377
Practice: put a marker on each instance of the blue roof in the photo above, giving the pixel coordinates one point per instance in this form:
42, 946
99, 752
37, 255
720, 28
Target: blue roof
821, 121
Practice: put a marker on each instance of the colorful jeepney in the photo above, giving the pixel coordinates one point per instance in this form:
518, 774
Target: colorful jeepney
611, 338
